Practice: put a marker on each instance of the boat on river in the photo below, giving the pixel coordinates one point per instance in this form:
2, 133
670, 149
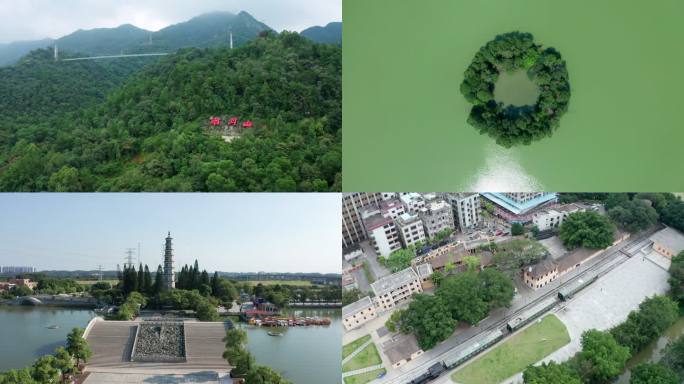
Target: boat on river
271, 333
53, 327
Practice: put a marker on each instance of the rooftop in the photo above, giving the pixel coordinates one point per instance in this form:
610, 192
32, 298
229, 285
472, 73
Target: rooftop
517, 207
401, 348
376, 220
356, 307
406, 219
393, 281
437, 205
541, 268
424, 270
670, 238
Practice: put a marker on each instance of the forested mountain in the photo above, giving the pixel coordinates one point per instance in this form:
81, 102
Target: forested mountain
102, 41
11, 52
151, 133
208, 30
330, 34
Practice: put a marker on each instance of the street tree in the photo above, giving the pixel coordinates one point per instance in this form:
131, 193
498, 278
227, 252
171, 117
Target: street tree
517, 229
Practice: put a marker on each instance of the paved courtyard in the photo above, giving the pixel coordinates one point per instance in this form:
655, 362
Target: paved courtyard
111, 343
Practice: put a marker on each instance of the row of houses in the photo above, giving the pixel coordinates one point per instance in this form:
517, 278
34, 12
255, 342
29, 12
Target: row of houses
5, 286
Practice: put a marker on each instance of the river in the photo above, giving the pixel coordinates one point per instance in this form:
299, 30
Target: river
25, 330
653, 351
304, 355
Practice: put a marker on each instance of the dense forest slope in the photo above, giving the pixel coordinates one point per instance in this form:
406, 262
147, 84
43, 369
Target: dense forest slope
151, 134
330, 34
38, 87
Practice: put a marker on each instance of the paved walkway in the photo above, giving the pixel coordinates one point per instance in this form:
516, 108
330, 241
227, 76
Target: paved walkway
357, 351
362, 370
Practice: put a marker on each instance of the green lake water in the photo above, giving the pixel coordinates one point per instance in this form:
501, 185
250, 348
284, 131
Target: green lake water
404, 118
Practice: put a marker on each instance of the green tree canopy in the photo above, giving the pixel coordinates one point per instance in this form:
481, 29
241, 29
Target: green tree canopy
399, 259
601, 358
511, 125
633, 215
428, 319
654, 316
551, 373
676, 278
517, 229
650, 373
586, 229
78, 346
673, 357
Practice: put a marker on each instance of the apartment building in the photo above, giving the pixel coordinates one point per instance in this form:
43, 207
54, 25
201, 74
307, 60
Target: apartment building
437, 216
553, 217
413, 201
358, 313
396, 288
466, 209
381, 231
410, 229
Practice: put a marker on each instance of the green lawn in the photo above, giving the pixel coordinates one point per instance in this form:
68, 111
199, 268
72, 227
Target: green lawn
351, 347
366, 358
525, 348
364, 377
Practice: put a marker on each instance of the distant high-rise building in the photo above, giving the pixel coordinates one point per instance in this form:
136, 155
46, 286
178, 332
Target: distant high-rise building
169, 277
13, 269
352, 223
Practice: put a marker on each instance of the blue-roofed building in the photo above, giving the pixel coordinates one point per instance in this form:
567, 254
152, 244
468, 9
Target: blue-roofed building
520, 203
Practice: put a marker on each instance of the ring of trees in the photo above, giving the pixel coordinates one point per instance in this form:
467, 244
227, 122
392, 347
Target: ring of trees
511, 125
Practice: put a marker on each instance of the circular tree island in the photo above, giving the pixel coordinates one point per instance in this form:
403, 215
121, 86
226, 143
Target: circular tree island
502, 67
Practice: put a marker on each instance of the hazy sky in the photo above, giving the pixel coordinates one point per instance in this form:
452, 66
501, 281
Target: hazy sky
250, 232
37, 19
